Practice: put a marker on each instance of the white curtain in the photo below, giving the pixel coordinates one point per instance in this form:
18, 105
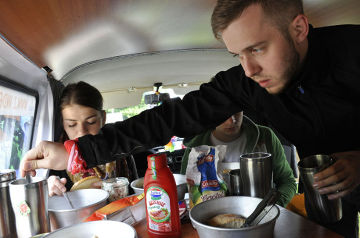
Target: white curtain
17, 68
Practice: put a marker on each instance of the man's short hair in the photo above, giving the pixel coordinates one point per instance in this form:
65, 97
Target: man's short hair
281, 12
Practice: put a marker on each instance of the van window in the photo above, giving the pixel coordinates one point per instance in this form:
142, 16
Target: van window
120, 114
17, 111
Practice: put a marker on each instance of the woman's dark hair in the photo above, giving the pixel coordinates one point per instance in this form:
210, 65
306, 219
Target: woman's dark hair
280, 12
83, 94
80, 93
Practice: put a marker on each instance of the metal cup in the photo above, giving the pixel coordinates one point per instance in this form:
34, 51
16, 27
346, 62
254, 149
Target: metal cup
235, 182
7, 225
318, 207
30, 205
256, 174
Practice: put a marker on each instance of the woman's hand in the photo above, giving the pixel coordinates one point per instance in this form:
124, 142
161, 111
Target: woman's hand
56, 185
47, 155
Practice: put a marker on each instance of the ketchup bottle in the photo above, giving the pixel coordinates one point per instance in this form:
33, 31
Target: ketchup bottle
162, 208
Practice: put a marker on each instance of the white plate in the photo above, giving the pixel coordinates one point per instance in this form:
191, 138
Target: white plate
99, 229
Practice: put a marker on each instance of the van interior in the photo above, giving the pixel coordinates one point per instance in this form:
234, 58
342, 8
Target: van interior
127, 49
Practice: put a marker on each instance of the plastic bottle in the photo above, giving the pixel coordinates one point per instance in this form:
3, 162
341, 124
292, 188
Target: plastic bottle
162, 208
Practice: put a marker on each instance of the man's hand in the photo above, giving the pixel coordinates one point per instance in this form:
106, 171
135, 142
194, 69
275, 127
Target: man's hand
47, 155
342, 177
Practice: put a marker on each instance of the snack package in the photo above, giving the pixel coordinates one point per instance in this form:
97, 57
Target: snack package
204, 180
129, 210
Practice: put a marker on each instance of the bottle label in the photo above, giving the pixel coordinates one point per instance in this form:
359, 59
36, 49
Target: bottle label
158, 208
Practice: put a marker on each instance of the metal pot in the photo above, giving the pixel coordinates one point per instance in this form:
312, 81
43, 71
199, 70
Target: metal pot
85, 202
180, 180
240, 205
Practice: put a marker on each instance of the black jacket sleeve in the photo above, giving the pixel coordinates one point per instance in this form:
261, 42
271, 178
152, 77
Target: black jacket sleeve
198, 111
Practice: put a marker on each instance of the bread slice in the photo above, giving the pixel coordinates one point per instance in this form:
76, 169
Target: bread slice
85, 183
227, 221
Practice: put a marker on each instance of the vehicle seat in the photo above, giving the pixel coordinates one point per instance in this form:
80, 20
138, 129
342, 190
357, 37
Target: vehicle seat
290, 153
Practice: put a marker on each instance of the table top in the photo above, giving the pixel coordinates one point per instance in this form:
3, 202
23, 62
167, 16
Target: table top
289, 224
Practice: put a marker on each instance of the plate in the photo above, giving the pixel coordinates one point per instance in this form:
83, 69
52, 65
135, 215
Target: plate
98, 229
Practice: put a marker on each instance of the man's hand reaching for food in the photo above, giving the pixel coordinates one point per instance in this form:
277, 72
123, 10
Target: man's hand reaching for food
47, 155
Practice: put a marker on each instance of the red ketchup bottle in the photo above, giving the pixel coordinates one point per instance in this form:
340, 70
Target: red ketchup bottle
162, 208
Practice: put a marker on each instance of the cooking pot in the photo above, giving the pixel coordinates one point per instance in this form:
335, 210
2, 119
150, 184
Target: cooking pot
180, 180
85, 202
239, 205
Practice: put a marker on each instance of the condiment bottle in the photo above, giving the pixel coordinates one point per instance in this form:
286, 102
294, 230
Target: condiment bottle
162, 208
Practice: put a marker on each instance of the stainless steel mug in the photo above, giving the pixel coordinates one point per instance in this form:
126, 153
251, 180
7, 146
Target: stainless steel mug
235, 182
7, 224
318, 207
256, 174
30, 205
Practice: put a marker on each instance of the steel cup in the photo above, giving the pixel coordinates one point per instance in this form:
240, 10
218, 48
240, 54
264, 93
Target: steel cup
7, 225
256, 174
30, 205
318, 207
235, 182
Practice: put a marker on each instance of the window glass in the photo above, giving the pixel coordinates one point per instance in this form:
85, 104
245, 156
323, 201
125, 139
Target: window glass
120, 114
17, 110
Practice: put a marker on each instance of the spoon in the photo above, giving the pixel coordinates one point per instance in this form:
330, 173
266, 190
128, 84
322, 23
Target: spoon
68, 200
28, 177
262, 209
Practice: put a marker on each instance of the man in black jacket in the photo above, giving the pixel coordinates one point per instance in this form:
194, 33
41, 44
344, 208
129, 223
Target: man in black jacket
304, 81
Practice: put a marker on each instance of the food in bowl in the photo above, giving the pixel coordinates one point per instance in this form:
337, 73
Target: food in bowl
85, 183
227, 221
116, 187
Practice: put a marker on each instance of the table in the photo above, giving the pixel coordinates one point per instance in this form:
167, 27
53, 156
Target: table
289, 224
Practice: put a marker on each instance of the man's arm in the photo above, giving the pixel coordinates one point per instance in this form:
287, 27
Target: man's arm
197, 111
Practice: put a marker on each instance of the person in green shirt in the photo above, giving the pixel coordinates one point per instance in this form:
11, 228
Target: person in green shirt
241, 135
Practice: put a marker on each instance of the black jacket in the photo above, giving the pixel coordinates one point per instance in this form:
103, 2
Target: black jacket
319, 112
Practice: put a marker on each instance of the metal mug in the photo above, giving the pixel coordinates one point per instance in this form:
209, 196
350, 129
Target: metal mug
30, 205
7, 225
235, 182
256, 174
318, 207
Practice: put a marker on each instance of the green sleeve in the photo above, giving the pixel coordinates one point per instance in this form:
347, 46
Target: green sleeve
185, 160
282, 174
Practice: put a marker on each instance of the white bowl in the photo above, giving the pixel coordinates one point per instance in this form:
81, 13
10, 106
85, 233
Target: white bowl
85, 202
99, 229
180, 180
239, 205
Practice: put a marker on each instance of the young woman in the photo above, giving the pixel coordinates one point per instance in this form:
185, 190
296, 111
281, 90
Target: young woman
82, 113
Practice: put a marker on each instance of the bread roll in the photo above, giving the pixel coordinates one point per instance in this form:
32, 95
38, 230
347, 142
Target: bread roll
85, 183
227, 221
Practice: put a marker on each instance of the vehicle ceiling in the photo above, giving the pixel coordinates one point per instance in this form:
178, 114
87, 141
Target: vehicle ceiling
66, 34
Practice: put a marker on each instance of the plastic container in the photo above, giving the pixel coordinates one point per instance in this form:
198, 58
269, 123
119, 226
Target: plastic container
161, 201
116, 187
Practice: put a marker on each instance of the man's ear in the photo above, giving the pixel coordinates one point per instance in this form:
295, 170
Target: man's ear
103, 114
299, 28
